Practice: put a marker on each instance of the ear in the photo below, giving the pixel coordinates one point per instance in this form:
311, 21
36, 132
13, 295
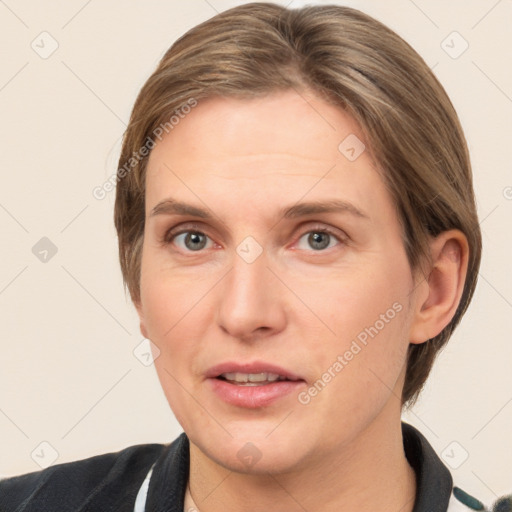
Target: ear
438, 296
138, 307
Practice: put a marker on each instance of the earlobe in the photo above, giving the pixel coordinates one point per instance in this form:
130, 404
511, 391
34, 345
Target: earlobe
143, 330
445, 284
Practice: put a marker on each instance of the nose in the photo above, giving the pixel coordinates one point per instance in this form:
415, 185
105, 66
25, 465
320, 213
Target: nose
251, 304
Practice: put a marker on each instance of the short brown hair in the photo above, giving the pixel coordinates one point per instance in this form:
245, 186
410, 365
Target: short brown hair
351, 60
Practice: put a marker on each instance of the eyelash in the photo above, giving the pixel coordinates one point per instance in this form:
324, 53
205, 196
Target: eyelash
171, 234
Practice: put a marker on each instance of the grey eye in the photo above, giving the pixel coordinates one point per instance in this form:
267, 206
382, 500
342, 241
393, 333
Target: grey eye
318, 240
193, 240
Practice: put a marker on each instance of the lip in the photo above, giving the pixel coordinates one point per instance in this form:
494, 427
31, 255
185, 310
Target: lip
252, 397
253, 367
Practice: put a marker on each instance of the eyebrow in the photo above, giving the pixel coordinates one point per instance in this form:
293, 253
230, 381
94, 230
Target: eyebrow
170, 206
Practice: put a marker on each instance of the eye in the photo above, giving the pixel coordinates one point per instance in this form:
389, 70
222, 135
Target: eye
320, 239
192, 241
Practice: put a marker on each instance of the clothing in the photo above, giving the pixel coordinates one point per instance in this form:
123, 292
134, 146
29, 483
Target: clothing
115, 482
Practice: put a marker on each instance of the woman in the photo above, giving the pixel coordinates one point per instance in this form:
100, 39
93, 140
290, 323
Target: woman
322, 172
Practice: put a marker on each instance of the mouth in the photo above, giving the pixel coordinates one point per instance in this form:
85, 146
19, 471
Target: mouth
252, 385
253, 379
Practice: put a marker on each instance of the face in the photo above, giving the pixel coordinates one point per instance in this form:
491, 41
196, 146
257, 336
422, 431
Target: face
246, 279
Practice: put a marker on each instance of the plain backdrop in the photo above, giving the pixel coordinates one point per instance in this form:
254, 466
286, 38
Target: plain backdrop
74, 381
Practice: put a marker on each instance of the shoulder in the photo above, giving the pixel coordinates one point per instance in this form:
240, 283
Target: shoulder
112, 477
435, 486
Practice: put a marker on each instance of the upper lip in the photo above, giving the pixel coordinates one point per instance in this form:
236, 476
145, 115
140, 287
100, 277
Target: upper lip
252, 367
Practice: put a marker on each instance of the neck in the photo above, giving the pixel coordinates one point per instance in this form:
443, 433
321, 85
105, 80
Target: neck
370, 473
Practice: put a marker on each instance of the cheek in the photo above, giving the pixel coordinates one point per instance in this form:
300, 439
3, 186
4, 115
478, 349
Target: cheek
167, 300
347, 303
171, 313
367, 315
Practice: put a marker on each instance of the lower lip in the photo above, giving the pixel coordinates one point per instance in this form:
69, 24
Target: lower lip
252, 397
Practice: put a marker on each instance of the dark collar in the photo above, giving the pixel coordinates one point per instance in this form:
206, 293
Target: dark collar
433, 479
166, 491
168, 482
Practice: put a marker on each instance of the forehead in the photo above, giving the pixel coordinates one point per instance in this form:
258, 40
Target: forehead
272, 150
288, 123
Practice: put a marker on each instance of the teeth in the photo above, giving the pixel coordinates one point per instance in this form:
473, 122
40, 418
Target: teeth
244, 378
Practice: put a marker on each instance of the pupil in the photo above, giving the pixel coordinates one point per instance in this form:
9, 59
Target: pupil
195, 238
316, 240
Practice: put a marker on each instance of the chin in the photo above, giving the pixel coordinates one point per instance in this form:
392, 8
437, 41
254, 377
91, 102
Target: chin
252, 452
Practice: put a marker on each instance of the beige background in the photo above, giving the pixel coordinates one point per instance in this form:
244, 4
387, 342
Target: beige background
68, 374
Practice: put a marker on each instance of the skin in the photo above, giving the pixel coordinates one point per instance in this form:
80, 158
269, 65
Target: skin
296, 306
